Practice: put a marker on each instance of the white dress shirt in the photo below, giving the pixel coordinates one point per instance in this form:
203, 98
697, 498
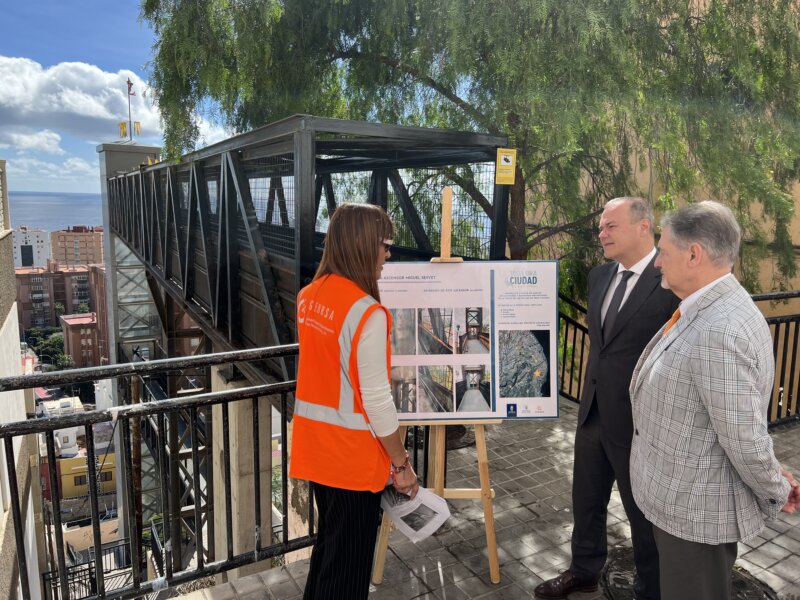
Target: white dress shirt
637, 270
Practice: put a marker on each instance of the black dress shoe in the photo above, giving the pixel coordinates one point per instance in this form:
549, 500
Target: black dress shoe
560, 587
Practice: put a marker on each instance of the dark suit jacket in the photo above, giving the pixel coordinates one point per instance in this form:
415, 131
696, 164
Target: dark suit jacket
611, 361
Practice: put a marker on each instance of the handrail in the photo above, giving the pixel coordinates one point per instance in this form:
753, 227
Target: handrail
160, 418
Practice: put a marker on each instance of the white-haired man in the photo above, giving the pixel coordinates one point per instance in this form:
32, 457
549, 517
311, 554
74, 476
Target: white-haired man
702, 465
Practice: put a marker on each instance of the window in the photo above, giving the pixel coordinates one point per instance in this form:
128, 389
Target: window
107, 476
65, 439
27, 255
80, 480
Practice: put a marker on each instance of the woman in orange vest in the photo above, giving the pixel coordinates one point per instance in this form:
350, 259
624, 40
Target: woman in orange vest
345, 437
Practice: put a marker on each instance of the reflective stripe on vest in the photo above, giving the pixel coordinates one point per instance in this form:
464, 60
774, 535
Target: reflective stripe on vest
331, 416
345, 416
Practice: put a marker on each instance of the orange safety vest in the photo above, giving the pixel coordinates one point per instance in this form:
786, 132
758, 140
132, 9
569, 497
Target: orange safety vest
332, 442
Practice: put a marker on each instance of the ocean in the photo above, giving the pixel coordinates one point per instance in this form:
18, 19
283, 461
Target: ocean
52, 211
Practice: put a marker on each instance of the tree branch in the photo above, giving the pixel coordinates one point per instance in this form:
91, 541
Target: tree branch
470, 188
551, 231
480, 118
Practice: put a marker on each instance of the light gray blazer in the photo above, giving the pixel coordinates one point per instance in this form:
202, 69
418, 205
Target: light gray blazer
702, 465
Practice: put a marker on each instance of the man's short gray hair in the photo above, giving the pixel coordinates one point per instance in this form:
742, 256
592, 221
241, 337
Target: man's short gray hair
710, 224
639, 209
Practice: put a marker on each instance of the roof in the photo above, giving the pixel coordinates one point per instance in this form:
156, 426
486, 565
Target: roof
80, 319
342, 146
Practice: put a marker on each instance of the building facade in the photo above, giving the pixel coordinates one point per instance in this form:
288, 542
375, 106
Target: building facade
44, 294
31, 247
79, 245
81, 339
14, 407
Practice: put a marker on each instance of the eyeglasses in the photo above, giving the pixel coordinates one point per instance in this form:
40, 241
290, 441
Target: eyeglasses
387, 245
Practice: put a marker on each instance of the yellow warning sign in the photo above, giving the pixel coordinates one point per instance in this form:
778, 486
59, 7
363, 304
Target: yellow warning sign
506, 166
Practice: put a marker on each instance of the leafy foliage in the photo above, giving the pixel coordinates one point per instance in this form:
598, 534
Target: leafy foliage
601, 97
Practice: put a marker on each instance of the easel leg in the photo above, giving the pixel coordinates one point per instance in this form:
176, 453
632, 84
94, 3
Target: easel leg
440, 438
382, 546
486, 498
381, 549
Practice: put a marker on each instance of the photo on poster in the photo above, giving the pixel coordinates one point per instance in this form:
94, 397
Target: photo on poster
419, 518
472, 331
435, 330
525, 366
473, 388
403, 331
404, 388
435, 389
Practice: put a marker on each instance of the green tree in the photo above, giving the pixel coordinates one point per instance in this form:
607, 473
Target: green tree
695, 98
83, 307
51, 348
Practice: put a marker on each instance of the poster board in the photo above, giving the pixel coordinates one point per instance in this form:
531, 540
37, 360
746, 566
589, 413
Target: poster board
473, 340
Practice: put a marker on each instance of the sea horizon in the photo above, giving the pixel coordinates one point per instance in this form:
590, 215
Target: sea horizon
52, 211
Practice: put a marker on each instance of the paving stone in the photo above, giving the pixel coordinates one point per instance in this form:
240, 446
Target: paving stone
284, 589
788, 569
788, 542
451, 592
474, 586
251, 587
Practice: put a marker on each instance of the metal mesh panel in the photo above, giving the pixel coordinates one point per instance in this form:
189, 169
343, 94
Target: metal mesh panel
213, 194
272, 190
347, 187
471, 224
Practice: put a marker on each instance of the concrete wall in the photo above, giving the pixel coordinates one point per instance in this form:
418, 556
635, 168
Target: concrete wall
12, 408
8, 284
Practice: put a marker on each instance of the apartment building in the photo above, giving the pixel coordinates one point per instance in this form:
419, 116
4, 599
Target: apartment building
81, 339
31, 247
79, 245
46, 293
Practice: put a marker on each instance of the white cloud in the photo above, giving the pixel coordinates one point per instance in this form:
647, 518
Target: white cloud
65, 111
78, 165
73, 97
31, 169
43, 141
210, 133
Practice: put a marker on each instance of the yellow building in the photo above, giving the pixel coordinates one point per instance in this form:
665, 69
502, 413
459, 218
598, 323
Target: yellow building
74, 474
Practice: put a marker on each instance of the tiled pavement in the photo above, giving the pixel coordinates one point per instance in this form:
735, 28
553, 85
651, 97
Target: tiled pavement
531, 472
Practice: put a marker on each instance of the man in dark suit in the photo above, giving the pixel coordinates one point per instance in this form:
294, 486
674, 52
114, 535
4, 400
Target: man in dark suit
627, 306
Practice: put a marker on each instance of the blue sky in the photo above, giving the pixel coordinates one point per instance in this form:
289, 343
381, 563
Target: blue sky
63, 68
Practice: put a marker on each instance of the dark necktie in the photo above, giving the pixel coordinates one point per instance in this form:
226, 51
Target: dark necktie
616, 300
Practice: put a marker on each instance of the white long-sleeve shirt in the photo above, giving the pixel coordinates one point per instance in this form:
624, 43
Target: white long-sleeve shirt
376, 393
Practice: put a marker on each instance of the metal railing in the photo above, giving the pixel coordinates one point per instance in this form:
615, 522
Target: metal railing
784, 407
99, 578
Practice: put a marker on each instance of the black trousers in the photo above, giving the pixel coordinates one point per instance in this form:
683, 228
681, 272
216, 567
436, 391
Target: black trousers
694, 570
341, 561
598, 463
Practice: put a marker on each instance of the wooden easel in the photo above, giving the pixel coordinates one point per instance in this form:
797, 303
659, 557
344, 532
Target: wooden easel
437, 441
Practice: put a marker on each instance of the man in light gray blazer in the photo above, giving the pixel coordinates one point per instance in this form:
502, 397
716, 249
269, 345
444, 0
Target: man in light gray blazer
703, 470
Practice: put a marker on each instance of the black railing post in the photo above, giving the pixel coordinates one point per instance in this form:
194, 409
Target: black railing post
16, 513
91, 456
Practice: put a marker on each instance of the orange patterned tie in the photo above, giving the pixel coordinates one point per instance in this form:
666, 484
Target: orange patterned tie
673, 319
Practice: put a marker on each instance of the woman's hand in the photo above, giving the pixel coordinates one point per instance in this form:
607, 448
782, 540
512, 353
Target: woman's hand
405, 481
